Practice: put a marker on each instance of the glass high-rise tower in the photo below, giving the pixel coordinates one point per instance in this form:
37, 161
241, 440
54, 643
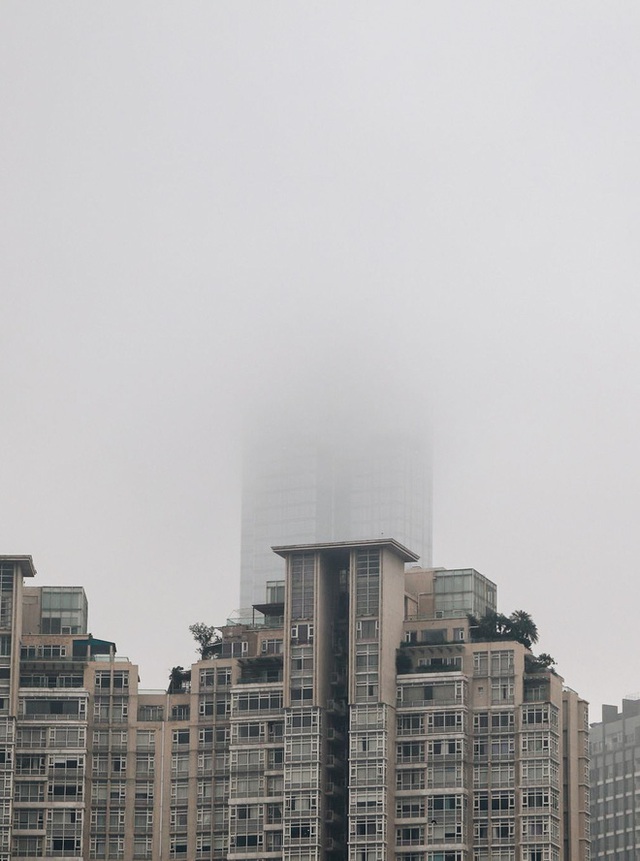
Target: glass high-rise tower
300, 491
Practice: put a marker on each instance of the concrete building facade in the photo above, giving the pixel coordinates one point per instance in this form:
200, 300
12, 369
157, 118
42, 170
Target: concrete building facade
354, 717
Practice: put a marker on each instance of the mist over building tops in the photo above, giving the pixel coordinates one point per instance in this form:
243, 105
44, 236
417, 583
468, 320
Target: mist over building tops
299, 490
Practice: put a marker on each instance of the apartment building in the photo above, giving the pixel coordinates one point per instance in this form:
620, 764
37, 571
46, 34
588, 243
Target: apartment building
352, 716
615, 783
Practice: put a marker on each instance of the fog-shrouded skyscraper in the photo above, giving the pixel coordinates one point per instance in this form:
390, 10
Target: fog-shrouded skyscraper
354, 486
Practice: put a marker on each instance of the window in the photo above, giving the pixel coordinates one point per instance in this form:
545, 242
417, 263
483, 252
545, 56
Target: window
410, 752
207, 678
301, 634
501, 801
142, 846
539, 742
300, 721
367, 582
150, 713
367, 629
28, 820
410, 779
481, 663
28, 737
410, 725
502, 775
258, 701
539, 714
445, 747
206, 707
536, 771
180, 712
144, 791
410, 836
301, 660
502, 691
502, 747
180, 790
178, 847
502, 721
300, 694
481, 722
53, 707
29, 791
145, 739
145, 764
180, 736
27, 847
67, 737
118, 764
223, 677
540, 798
438, 721
502, 829
180, 764
248, 731
502, 662
367, 657
179, 817
204, 789
410, 808
302, 583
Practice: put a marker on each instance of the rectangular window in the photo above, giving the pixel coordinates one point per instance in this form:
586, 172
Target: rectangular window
150, 713
481, 664
302, 585
502, 662
410, 725
145, 739
367, 582
502, 691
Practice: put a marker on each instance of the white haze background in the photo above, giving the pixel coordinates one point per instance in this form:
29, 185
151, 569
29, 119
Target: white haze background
215, 214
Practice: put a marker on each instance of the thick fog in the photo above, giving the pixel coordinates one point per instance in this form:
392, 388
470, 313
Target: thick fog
222, 217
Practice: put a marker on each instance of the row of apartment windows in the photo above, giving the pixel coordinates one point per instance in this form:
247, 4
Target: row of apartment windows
117, 680
59, 791
156, 713
31, 819
24, 847
417, 835
36, 708
444, 693
484, 721
496, 663
221, 678
44, 650
59, 680
51, 737
531, 828
417, 751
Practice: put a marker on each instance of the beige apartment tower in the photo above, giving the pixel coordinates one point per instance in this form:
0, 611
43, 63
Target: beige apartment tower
352, 716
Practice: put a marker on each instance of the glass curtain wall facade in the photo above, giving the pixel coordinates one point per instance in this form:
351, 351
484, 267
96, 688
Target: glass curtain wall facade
300, 492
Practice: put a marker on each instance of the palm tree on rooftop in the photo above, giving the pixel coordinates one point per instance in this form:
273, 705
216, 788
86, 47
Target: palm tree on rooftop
523, 628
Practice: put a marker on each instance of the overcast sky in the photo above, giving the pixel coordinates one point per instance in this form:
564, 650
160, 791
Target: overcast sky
213, 213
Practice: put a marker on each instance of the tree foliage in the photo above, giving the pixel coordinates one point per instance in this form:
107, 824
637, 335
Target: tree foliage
176, 679
519, 626
204, 635
523, 628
